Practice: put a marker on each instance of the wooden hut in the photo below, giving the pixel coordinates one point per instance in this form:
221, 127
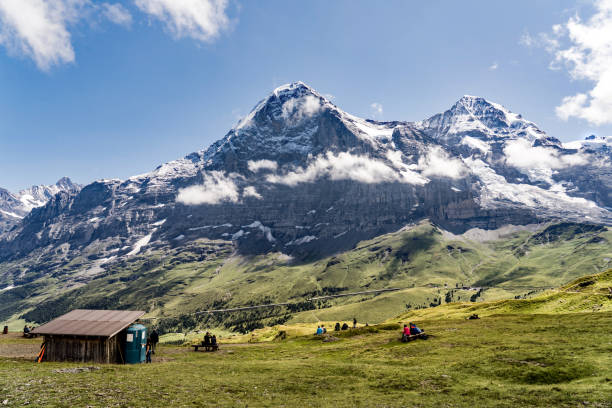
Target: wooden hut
87, 335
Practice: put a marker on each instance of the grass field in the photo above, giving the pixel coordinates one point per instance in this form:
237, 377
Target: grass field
497, 361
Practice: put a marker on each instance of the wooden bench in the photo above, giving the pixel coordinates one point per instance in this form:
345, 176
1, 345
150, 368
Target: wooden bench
208, 347
421, 335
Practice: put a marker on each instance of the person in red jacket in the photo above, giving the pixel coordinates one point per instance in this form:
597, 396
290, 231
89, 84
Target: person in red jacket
405, 333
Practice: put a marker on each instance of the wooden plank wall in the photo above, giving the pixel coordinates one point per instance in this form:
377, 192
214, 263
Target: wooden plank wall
83, 349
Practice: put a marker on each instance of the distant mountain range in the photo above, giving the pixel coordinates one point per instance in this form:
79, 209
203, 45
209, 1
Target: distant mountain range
13, 207
301, 177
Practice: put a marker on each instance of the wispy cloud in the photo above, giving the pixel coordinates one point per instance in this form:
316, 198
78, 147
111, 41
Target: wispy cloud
583, 47
117, 14
346, 166
202, 20
257, 165
493, 66
521, 154
437, 163
216, 188
295, 110
250, 191
40, 29
377, 109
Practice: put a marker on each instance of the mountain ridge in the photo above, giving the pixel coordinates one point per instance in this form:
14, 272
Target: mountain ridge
298, 169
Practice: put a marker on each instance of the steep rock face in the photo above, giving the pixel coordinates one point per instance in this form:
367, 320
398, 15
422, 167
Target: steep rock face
300, 176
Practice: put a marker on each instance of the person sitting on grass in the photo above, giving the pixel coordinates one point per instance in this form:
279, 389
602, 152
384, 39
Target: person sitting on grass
213, 342
414, 329
323, 328
345, 326
337, 327
319, 331
26, 331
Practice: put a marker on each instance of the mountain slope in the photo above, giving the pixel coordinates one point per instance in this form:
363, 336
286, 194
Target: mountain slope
428, 264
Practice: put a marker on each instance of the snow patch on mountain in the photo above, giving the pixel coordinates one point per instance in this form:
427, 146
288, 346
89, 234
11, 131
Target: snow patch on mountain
142, 242
475, 143
592, 142
303, 240
495, 190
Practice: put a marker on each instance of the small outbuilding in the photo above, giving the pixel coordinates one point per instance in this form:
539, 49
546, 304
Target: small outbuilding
84, 335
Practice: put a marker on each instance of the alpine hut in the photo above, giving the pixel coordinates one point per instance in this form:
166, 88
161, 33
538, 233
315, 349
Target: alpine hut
89, 336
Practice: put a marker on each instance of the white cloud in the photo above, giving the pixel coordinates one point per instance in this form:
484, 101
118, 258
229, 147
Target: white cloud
117, 14
250, 191
493, 66
521, 154
345, 166
298, 109
38, 29
216, 188
587, 56
202, 20
377, 109
257, 165
438, 163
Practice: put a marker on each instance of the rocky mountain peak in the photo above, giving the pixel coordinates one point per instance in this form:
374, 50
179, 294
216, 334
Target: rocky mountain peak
478, 117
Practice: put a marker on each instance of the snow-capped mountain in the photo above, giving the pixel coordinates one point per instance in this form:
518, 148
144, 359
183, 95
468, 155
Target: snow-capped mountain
300, 176
594, 143
14, 207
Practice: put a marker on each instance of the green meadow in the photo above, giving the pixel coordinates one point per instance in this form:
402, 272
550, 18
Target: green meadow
529, 352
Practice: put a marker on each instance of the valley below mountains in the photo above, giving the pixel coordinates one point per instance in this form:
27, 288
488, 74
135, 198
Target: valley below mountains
302, 199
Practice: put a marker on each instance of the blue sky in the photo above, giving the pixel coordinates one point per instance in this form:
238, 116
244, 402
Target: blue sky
128, 85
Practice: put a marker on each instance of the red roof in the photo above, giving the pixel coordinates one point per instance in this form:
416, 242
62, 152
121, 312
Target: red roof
84, 322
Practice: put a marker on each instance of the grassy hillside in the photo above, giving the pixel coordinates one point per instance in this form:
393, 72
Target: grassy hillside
498, 361
429, 266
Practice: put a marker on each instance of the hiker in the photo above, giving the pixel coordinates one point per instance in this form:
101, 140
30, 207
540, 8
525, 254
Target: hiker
154, 340
337, 327
213, 342
26, 331
414, 329
345, 326
319, 331
206, 341
324, 329
354, 322
148, 351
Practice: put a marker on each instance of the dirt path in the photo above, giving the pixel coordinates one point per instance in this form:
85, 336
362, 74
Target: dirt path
13, 345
